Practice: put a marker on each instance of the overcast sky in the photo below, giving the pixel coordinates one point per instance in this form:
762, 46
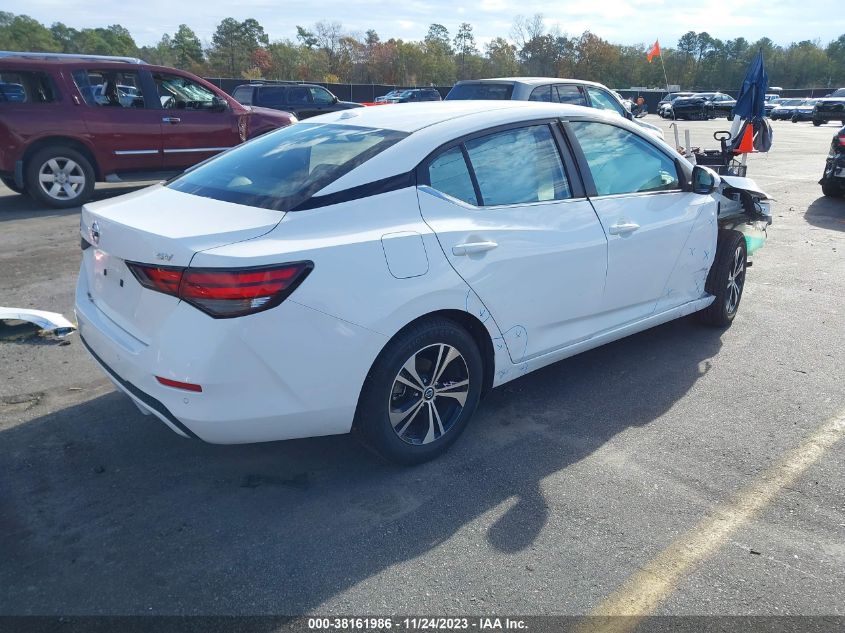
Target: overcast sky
624, 22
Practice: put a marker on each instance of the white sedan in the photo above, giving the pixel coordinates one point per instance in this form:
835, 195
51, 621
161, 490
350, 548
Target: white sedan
378, 270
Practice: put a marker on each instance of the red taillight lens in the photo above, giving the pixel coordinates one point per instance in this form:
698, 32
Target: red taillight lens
225, 293
162, 279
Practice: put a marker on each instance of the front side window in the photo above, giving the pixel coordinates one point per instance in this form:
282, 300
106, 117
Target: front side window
322, 96
623, 162
518, 166
26, 87
567, 93
180, 93
449, 173
110, 88
283, 169
603, 101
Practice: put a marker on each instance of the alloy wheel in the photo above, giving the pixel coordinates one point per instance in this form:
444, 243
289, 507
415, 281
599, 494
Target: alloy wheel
428, 394
736, 279
61, 178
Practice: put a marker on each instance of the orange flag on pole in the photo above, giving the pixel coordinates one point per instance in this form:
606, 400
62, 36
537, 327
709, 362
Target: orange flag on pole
654, 52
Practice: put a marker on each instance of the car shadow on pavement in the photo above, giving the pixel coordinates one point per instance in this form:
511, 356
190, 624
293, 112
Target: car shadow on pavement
103, 510
827, 212
21, 207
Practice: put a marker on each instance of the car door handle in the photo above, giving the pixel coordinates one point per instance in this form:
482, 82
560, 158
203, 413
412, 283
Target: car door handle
472, 248
623, 228
171, 119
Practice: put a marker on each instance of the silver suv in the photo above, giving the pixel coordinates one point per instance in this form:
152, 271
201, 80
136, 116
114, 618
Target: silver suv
571, 91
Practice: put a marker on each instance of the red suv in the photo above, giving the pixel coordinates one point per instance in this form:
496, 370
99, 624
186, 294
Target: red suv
68, 122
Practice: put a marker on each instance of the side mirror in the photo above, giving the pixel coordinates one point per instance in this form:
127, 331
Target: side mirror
218, 104
704, 180
335, 99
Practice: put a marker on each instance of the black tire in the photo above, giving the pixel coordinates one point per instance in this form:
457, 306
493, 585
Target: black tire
388, 391
832, 189
816, 122
78, 183
731, 255
10, 183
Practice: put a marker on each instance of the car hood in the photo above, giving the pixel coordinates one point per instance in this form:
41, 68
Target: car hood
270, 115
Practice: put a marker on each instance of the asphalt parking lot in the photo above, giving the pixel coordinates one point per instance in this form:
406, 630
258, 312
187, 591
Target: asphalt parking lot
682, 471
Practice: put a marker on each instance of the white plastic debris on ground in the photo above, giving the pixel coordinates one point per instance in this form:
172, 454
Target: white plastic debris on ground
51, 323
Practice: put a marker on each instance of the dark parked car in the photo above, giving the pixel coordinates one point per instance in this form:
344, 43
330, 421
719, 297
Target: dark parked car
833, 178
784, 110
98, 119
303, 100
417, 94
830, 108
804, 112
704, 105
664, 106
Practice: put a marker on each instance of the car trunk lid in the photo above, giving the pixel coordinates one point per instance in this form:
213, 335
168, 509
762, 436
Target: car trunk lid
156, 226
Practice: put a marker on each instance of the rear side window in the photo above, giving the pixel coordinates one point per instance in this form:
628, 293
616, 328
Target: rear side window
622, 162
110, 88
567, 93
283, 169
26, 87
449, 173
484, 91
541, 93
518, 166
271, 96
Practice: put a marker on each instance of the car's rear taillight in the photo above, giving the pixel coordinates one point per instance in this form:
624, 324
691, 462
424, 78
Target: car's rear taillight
164, 279
225, 293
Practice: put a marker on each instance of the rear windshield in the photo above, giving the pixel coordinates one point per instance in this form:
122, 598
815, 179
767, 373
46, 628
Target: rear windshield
26, 87
283, 169
486, 91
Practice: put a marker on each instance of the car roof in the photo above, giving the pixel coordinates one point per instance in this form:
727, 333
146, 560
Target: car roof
532, 81
26, 63
67, 57
277, 84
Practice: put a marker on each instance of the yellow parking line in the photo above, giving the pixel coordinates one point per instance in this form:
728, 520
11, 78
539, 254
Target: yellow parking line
640, 595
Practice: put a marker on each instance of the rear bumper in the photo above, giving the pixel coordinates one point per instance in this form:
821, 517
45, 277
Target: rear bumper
286, 373
144, 401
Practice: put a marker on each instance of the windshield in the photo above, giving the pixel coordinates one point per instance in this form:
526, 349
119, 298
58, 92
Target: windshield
790, 102
283, 169
485, 91
839, 93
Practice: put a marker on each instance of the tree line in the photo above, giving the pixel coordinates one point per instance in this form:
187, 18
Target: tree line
326, 52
